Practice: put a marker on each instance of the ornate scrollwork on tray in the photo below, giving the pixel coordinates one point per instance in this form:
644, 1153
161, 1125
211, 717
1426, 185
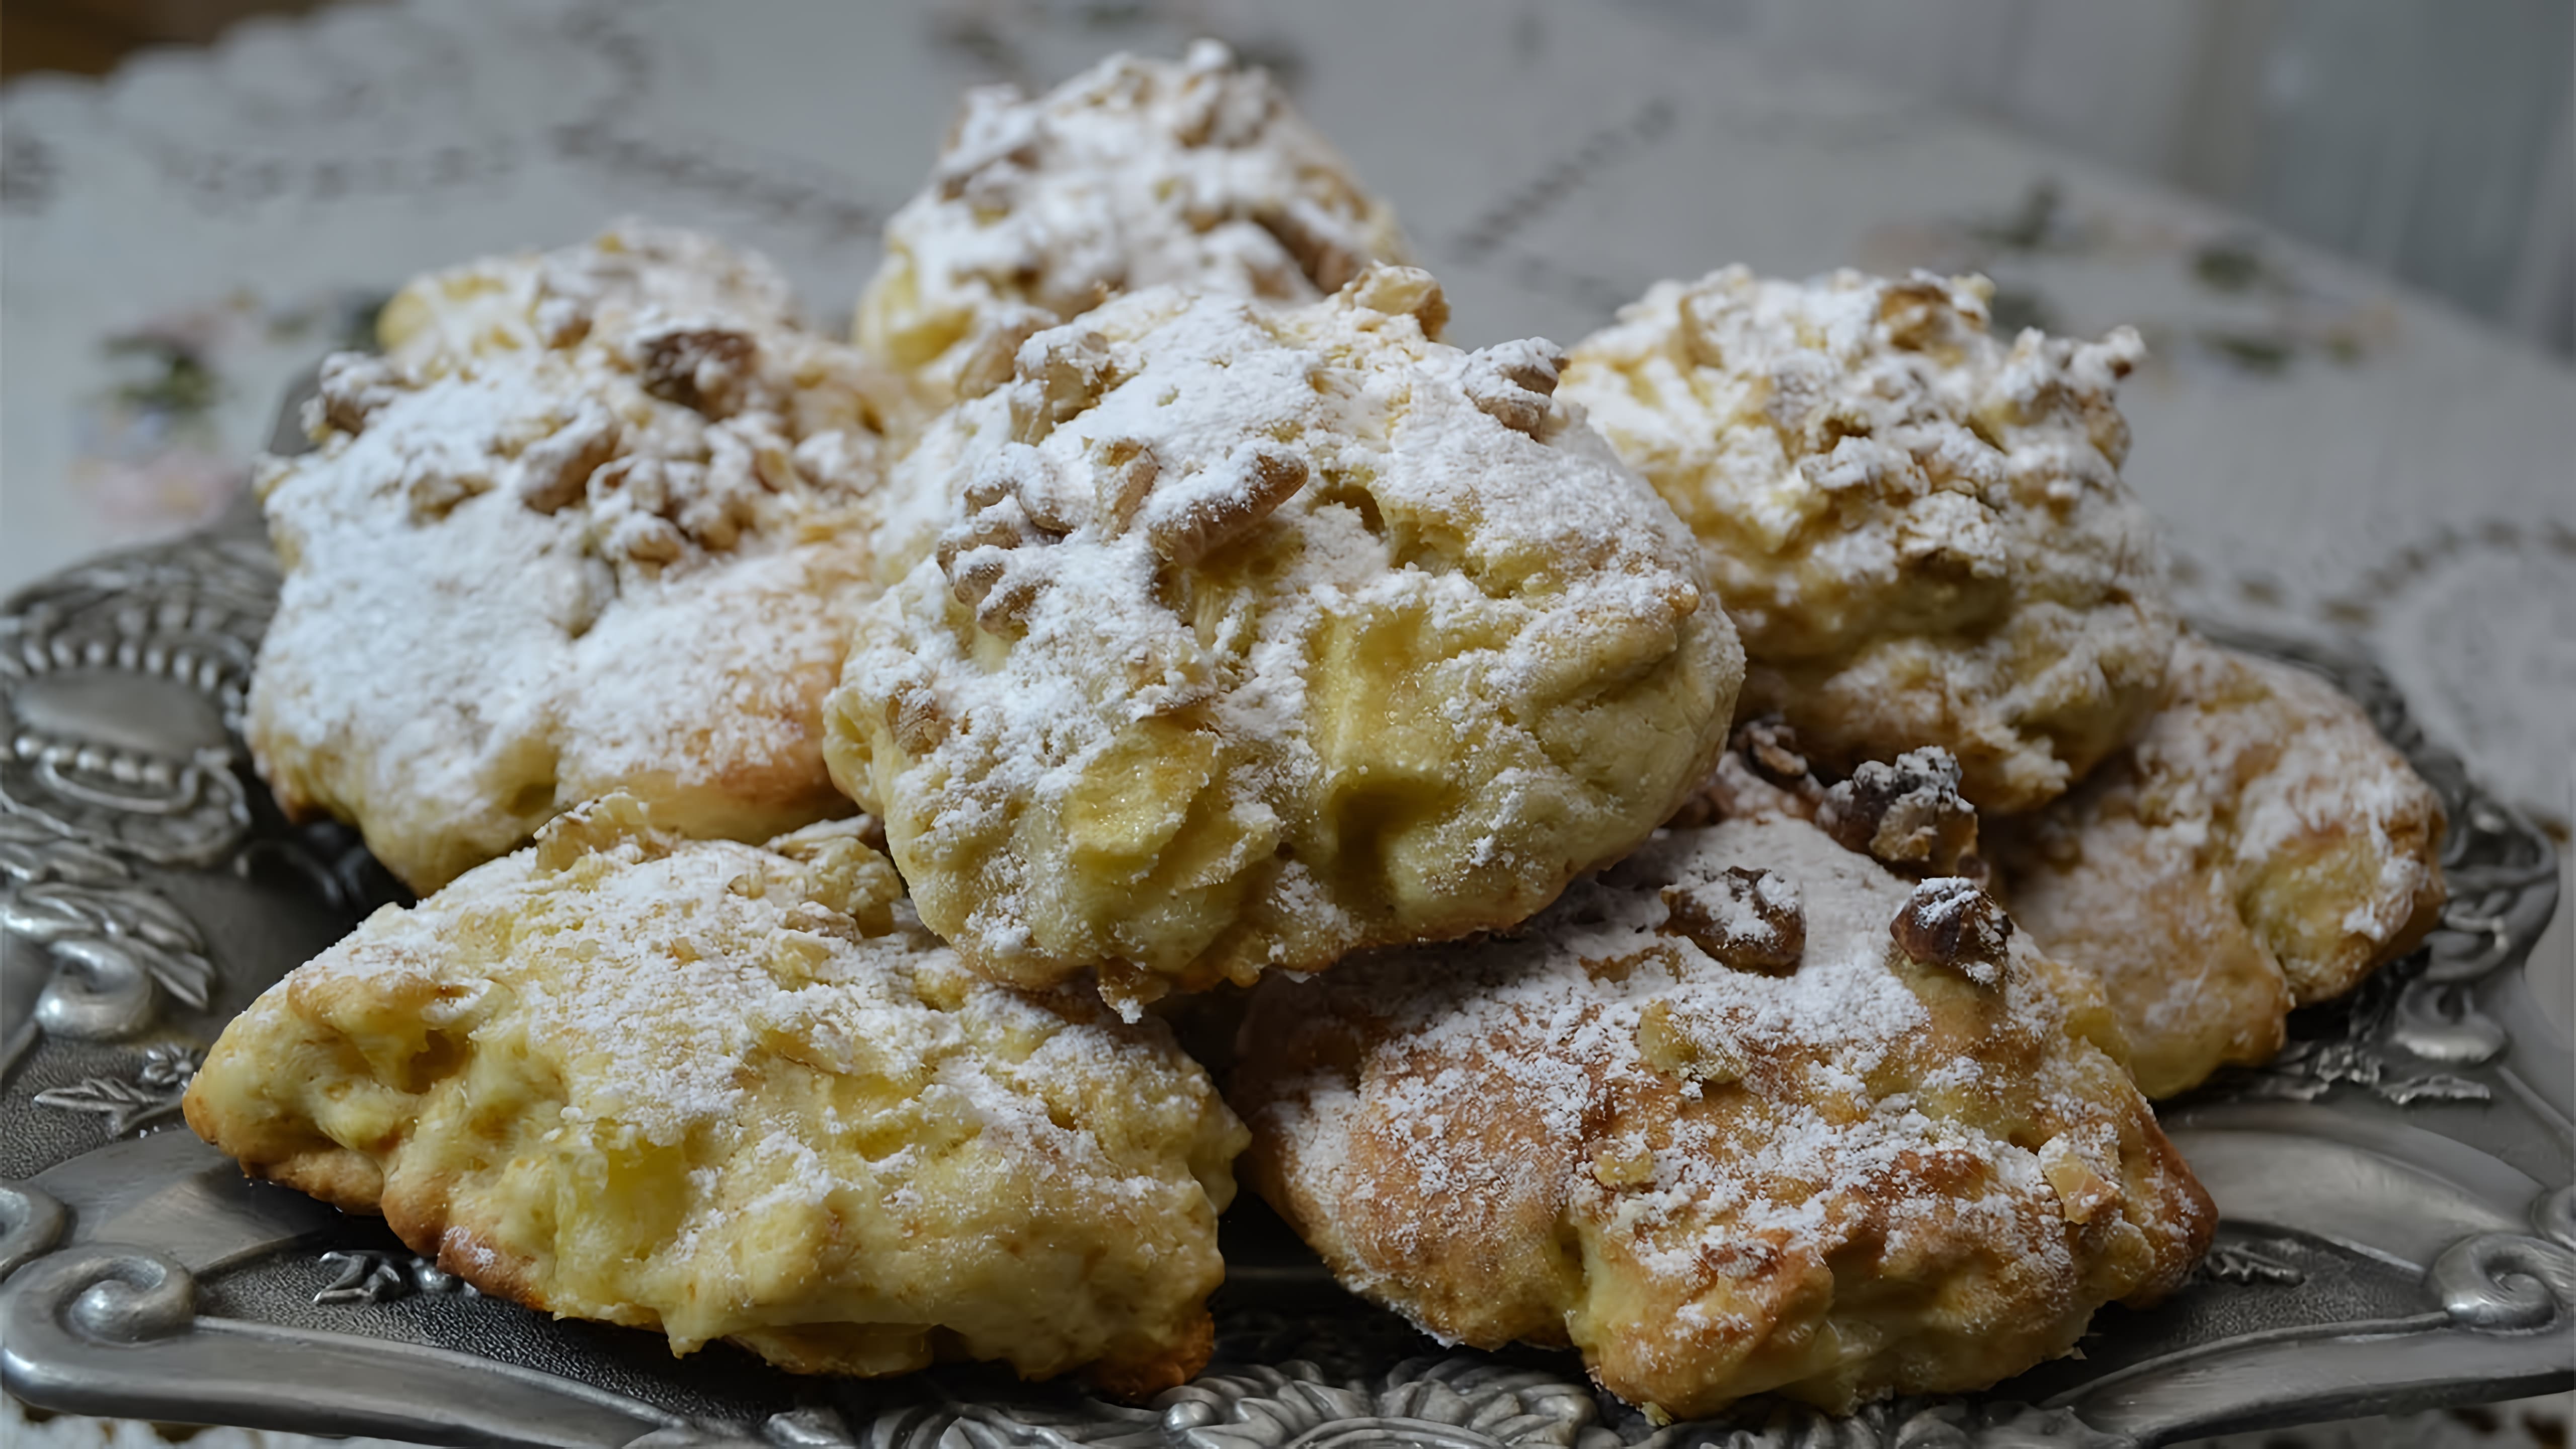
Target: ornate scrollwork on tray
2396, 1225
121, 689
87, 950
150, 1095
2503, 1282
366, 1276
1452, 1401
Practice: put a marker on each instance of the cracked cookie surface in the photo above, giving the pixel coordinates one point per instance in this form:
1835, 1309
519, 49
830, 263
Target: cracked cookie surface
2259, 847
1919, 528
1137, 173
1251, 637
724, 1091
592, 521
1891, 1150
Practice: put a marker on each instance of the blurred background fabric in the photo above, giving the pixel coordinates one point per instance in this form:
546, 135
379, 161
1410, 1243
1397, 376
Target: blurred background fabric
2428, 138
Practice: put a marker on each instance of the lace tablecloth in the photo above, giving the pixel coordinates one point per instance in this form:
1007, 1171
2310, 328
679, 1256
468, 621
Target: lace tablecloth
2332, 458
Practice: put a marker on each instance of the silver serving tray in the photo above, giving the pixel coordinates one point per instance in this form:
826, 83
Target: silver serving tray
2397, 1227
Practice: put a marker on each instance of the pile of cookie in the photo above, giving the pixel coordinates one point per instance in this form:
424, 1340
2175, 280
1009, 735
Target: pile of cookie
1697, 847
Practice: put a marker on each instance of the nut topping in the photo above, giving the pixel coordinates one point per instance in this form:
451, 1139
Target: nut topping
1908, 813
1770, 749
1949, 922
1312, 238
1511, 382
707, 369
1203, 513
353, 387
1057, 375
554, 470
1752, 920
990, 558
1128, 469
1401, 291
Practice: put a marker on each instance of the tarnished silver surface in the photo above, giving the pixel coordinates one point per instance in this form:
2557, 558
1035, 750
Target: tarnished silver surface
2397, 1227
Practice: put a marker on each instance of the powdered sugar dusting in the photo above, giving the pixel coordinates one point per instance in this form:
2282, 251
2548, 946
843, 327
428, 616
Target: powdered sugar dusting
728, 1091
2258, 845
1919, 527
521, 574
1194, 516
1135, 174
1432, 1117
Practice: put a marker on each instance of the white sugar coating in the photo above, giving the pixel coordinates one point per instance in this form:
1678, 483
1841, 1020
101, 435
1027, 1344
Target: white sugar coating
1919, 528
561, 540
1590, 1130
1137, 173
629, 274
1740, 911
733, 1091
1358, 661
2258, 846
640, 985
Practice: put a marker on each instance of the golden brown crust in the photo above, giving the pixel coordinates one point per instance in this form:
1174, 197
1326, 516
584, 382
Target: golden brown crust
1872, 1174
1137, 173
592, 522
726, 1092
1919, 527
1359, 663
2259, 847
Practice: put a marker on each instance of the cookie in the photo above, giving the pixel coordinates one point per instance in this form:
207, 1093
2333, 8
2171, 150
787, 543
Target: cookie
1136, 173
2259, 847
720, 1091
560, 540
618, 283
1745, 1114
1919, 528
1256, 636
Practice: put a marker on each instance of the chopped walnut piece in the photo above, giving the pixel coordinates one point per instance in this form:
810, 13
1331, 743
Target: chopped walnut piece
434, 482
1056, 375
649, 509
1017, 501
353, 386
995, 130
1909, 813
1949, 921
992, 577
555, 469
1752, 920
1203, 513
1693, 1049
1770, 749
1032, 480
1761, 773
915, 719
1128, 469
1511, 382
1402, 291
589, 827
1223, 106
1313, 237
990, 354
704, 368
